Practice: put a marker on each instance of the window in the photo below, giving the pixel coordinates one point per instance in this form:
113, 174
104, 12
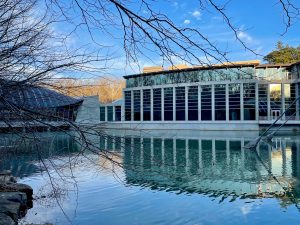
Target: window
220, 102
263, 100
234, 101
137, 105
127, 105
102, 113
193, 103
275, 97
109, 113
206, 103
157, 104
147, 105
168, 104
249, 101
290, 96
117, 113
180, 103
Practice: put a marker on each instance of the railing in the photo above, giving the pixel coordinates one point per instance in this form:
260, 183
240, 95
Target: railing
254, 143
265, 118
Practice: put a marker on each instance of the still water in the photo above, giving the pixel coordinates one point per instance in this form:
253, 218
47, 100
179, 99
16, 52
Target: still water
185, 177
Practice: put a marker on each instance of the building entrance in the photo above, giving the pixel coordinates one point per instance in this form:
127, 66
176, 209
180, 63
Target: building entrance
275, 114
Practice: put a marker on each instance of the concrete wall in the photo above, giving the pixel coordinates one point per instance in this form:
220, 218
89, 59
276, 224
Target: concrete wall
89, 111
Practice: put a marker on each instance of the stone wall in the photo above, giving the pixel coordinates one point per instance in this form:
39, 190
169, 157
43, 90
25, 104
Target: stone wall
89, 111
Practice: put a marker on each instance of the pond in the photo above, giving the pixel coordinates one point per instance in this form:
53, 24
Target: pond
160, 177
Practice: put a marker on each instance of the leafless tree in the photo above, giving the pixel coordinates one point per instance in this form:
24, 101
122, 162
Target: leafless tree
32, 52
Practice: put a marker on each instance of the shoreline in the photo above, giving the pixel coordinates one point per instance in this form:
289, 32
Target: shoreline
15, 199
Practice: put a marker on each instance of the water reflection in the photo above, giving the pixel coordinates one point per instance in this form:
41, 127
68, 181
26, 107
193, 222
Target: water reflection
213, 166
188, 162
22, 156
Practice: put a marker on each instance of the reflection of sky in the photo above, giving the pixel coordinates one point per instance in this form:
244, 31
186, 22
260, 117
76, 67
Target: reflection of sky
103, 200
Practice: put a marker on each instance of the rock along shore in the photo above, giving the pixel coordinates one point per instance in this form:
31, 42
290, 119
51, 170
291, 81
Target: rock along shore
15, 199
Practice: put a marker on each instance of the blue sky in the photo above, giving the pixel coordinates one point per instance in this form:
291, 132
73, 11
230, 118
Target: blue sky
261, 24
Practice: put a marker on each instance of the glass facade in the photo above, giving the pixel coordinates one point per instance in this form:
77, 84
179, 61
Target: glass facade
117, 113
289, 97
127, 95
147, 104
234, 92
168, 104
180, 103
249, 101
206, 104
102, 113
137, 105
157, 104
263, 100
110, 113
229, 94
220, 102
275, 98
196, 75
193, 103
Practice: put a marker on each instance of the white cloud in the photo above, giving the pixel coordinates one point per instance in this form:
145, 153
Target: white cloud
196, 14
187, 22
175, 4
244, 36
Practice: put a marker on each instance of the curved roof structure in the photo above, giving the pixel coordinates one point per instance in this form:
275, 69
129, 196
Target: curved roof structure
34, 97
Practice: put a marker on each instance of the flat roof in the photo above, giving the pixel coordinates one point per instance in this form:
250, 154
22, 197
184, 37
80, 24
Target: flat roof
240, 64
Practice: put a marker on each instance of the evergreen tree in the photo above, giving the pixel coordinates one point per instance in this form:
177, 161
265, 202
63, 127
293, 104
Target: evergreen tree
283, 54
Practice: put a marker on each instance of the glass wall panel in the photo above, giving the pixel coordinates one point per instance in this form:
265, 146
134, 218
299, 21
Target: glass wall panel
193, 103
110, 113
275, 99
102, 113
168, 104
234, 101
220, 102
249, 101
180, 103
117, 113
157, 104
136, 105
127, 105
263, 101
290, 96
272, 73
206, 103
147, 105
202, 75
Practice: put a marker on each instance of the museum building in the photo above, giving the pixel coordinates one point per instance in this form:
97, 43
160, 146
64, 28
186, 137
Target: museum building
228, 96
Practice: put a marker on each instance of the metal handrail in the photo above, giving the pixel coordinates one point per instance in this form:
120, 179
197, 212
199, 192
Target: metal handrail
254, 143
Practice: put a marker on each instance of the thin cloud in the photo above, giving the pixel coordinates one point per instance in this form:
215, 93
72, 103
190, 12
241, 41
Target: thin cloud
187, 22
196, 14
245, 36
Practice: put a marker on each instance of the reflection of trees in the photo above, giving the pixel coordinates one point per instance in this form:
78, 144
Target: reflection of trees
275, 95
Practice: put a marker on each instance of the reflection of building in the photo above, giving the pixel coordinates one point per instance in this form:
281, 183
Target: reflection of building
219, 166
232, 96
